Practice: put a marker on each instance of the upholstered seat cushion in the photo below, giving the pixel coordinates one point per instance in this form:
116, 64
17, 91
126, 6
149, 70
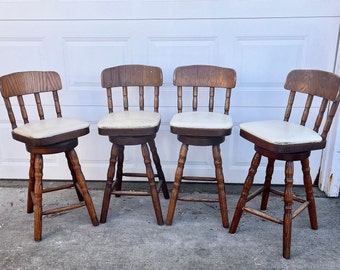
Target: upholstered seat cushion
202, 120
281, 132
49, 128
130, 120
129, 124
201, 124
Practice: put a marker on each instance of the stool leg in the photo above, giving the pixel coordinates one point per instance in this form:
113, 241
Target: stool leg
246, 188
74, 178
72, 156
309, 194
109, 183
221, 185
119, 176
288, 203
152, 184
31, 182
38, 190
159, 169
267, 183
177, 183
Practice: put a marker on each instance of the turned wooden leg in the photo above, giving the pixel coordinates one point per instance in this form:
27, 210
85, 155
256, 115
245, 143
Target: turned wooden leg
152, 184
72, 156
31, 181
267, 183
309, 194
109, 183
119, 176
38, 190
74, 178
220, 184
177, 183
245, 192
159, 169
288, 204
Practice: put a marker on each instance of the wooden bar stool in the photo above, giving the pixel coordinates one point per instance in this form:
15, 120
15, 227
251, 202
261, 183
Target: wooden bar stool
288, 141
201, 128
46, 136
132, 127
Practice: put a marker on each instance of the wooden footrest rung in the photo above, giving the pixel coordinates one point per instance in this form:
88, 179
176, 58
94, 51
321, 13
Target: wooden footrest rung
274, 191
131, 193
198, 178
280, 193
192, 199
262, 215
63, 209
300, 209
255, 193
51, 189
137, 174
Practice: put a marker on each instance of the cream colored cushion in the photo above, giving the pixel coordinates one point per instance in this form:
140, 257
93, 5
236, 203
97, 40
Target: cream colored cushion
202, 120
281, 132
49, 127
130, 119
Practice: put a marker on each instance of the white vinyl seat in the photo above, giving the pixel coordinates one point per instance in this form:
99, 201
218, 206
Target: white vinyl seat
202, 120
123, 121
281, 132
48, 128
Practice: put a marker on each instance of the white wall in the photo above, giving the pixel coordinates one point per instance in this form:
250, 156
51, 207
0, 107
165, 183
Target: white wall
261, 39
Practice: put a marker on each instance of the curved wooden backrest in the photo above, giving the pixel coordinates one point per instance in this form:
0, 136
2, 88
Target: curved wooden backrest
29, 82
205, 76
196, 76
314, 83
132, 75
23, 83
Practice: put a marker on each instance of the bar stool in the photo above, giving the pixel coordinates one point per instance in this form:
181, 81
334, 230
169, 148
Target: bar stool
289, 141
132, 127
46, 136
201, 128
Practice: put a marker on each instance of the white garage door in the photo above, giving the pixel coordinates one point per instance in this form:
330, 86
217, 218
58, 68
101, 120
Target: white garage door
261, 39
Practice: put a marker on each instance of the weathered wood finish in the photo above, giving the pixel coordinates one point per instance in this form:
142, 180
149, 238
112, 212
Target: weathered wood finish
25, 83
33, 82
312, 83
198, 76
19, 85
30, 82
123, 77
204, 76
132, 75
